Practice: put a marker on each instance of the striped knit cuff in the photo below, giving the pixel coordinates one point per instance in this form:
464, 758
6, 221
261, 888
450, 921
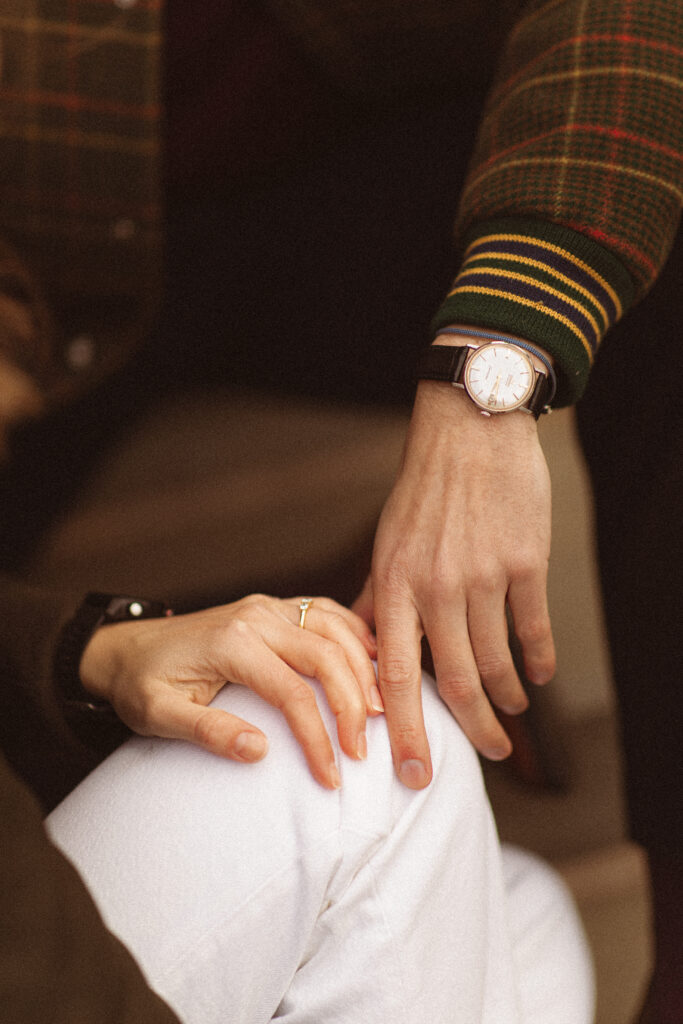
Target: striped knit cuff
545, 283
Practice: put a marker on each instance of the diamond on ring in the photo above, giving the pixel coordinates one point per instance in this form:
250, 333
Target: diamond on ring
304, 604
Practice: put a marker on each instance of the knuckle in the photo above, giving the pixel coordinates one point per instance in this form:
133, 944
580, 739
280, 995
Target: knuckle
397, 675
447, 573
493, 666
237, 630
489, 581
336, 633
391, 577
255, 607
459, 690
150, 714
528, 564
329, 655
534, 631
350, 705
255, 612
540, 663
204, 731
407, 735
299, 695
444, 584
336, 622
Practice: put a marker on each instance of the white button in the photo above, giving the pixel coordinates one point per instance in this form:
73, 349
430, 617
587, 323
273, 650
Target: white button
135, 609
80, 352
124, 229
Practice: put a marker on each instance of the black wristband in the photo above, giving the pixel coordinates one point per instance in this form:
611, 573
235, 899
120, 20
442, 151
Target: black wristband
96, 610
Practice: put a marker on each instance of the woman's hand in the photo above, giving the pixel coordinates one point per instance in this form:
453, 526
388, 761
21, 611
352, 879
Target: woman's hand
160, 675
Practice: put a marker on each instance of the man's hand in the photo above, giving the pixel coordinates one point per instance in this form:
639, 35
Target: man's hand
160, 675
465, 530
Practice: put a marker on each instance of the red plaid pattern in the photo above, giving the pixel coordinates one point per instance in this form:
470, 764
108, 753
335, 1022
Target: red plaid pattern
584, 127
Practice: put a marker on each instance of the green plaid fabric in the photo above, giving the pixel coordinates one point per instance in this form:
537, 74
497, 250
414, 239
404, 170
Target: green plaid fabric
581, 145
569, 210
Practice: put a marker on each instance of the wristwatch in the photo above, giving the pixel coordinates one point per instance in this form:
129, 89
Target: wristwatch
96, 610
499, 375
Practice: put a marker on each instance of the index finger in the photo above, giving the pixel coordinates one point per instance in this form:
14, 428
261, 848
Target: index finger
399, 635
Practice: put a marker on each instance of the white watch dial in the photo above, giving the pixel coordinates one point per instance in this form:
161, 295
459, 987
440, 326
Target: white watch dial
499, 377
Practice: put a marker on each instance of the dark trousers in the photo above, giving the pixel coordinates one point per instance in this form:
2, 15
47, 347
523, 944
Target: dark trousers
631, 428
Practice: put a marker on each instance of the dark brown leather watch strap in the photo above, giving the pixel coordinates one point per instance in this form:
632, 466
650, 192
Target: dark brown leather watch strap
443, 362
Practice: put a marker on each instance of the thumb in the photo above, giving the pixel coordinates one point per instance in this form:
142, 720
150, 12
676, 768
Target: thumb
209, 728
363, 605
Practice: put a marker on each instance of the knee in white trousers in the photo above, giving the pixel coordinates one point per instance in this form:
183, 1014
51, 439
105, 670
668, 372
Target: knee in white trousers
248, 893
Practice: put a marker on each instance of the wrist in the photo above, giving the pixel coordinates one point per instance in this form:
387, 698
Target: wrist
98, 664
448, 414
80, 679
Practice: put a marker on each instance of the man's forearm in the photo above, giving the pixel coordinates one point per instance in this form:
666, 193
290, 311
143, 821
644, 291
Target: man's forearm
574, 191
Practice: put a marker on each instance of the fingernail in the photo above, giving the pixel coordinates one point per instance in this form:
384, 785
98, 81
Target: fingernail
499, 753
413, 774
515, 709
335, 778
362, 746
376, 699
250, 746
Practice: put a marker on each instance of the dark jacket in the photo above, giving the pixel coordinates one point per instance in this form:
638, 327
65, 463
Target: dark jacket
58, 962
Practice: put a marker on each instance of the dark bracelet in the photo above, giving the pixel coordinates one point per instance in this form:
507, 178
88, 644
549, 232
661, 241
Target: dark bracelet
95, 611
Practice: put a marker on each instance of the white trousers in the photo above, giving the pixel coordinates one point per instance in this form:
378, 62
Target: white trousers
248, 893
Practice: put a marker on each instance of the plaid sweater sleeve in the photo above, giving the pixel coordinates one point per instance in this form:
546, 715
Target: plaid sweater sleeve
574, 190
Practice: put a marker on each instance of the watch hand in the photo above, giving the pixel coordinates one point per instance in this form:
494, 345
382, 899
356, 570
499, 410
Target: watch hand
493, 397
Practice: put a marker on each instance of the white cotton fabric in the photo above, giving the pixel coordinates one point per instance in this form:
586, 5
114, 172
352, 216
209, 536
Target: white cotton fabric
248, 893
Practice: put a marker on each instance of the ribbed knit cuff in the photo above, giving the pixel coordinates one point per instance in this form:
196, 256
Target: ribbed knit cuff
545, 283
